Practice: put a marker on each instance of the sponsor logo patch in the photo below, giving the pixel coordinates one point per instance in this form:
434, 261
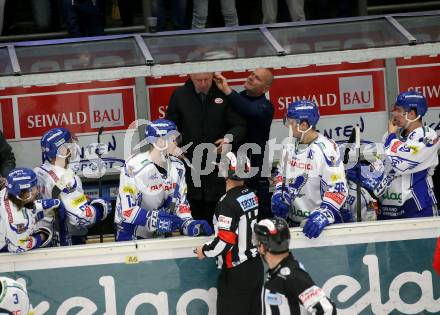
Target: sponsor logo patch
224, 222
336, 197
248, 201
273, 299
395, 146
311, 296
127, 213
79, 201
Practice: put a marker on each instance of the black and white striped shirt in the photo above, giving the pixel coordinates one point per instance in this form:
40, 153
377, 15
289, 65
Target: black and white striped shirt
289, 290
234, 218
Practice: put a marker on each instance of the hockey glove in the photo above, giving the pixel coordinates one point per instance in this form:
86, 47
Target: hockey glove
296, 186
365, 175
160, 221
198, 228
317, 221
281, 204
46, 208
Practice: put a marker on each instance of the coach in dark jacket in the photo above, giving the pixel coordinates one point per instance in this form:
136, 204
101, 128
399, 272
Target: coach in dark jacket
258, 111
7, 160
203, 115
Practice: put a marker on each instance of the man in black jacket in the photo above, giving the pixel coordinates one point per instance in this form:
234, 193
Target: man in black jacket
288, 288
203, 115
7, 160
258, 111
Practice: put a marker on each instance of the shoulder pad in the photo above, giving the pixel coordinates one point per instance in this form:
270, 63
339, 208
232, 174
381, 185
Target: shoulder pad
135, 164
329, 150
176, 160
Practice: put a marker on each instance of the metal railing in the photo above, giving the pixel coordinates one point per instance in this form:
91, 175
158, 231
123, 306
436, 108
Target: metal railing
365, 9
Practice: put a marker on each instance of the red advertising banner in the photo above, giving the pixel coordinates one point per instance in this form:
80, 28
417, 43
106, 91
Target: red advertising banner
335, 93
81, 112
159, 98
421, 74
337, 89
7, 118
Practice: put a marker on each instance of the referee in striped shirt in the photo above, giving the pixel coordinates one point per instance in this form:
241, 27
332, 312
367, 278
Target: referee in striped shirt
241, 277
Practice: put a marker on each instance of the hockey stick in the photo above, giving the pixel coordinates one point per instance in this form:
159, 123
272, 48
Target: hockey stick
358, 186
286, 159
99, 154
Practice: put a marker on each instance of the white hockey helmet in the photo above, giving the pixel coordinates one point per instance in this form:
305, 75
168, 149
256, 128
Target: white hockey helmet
13, 297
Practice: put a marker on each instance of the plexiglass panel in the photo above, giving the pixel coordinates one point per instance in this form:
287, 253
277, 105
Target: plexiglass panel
423, 28
5, 62
338, 36
80, 56
208, 46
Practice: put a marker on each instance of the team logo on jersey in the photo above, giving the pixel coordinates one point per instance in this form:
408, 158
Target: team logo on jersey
218, 100
402, 164
21, 228
285, 271
273, 299
430, 142
224, 222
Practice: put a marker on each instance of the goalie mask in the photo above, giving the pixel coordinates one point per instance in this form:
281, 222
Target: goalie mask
234, 167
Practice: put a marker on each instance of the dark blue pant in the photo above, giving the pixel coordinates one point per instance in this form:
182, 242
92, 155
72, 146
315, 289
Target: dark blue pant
83, 18
178, 8
260, 185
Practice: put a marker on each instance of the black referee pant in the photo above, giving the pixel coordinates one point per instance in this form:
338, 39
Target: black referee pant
239, 288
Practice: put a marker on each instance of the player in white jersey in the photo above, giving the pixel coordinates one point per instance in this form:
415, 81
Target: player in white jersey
21, 214
57, 180
152, 190
14, 299
310, 179
406, 189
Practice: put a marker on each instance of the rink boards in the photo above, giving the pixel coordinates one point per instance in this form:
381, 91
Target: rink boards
371, 269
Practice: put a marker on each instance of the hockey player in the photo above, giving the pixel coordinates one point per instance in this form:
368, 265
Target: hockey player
406, 189
57, 180
21, 215
241, 277
152, 190
288, 289
310, 178
14, 299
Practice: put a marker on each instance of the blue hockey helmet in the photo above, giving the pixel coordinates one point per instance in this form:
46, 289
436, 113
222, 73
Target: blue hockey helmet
304, 111
412, 100
53, 140
19, 180
160, 128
